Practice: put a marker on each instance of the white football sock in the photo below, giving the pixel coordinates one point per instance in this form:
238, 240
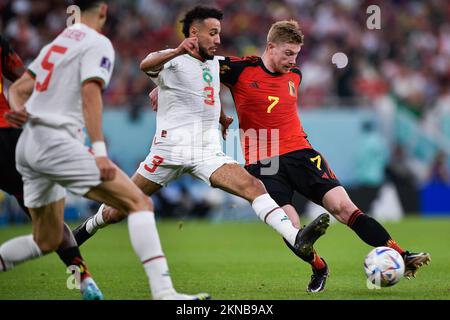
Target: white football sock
18, 250
145, 241
96, 222
269, 212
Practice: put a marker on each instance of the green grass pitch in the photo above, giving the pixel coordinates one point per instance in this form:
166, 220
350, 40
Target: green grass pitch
233, 260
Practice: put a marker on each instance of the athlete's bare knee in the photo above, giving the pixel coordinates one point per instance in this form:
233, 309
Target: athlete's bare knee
254, 188
342, 210
142, 203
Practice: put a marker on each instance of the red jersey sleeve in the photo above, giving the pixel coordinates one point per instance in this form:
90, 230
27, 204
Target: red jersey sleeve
232, 67
297, 71
12, 65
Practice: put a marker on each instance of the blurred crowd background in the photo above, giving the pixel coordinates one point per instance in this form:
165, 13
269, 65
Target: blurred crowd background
399, 74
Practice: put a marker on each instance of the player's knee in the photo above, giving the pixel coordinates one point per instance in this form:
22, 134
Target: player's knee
142, 203
342, 210
254, 187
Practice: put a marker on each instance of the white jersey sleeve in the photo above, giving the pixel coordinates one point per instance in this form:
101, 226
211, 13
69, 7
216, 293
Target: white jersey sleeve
98, 62
155, 76
34, 65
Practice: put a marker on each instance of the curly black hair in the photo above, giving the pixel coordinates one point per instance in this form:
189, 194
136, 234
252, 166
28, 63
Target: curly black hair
199, 13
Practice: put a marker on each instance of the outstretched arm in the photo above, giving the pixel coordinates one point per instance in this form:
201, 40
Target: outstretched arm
155, 61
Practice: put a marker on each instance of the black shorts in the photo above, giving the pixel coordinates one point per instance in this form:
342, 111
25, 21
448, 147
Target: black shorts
304, 171
10, 179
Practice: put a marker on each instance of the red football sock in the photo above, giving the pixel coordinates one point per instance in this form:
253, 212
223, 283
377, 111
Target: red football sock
392, 244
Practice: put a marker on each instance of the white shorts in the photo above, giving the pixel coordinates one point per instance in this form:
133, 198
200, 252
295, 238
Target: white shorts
164, 164
50, 161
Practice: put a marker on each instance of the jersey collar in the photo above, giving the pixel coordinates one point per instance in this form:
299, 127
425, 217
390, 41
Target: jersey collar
196, 59
261, 63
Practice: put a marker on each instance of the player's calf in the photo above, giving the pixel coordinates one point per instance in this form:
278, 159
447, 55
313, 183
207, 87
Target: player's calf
105, 216
126, 198
341, 207
234, 179
253, 188
48, 238
138, 202
48, 243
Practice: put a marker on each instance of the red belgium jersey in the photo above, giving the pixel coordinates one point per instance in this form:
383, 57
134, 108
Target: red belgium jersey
266, 104
11, 67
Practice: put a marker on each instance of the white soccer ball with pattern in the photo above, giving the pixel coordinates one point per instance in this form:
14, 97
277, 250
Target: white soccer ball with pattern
384, 267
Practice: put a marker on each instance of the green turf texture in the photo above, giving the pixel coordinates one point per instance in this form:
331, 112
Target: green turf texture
236, 260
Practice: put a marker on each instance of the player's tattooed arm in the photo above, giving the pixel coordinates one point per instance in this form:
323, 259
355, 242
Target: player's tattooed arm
154, 62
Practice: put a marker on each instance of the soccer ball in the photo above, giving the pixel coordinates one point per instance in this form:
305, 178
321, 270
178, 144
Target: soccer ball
384, 267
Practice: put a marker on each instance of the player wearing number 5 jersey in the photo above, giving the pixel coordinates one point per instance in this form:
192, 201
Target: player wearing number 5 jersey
49, 153
11, 181
265, 92
61, 93
187, 139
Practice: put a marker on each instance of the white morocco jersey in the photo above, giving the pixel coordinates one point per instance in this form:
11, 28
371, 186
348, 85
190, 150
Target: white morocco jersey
78, 54
188, 104
187, 137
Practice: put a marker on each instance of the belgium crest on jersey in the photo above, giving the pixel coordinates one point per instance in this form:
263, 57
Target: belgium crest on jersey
291, 85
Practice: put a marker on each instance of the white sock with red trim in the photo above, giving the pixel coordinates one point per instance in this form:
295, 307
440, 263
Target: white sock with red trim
145, 241
269, 212
96, 222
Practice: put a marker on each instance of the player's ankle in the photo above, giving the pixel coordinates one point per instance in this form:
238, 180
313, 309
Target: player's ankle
4, 265
97, 221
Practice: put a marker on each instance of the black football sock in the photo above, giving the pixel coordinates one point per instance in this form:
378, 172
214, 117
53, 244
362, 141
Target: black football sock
371, 231
70, 254
72, 257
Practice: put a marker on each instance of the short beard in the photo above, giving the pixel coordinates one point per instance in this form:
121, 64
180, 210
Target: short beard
202, 52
